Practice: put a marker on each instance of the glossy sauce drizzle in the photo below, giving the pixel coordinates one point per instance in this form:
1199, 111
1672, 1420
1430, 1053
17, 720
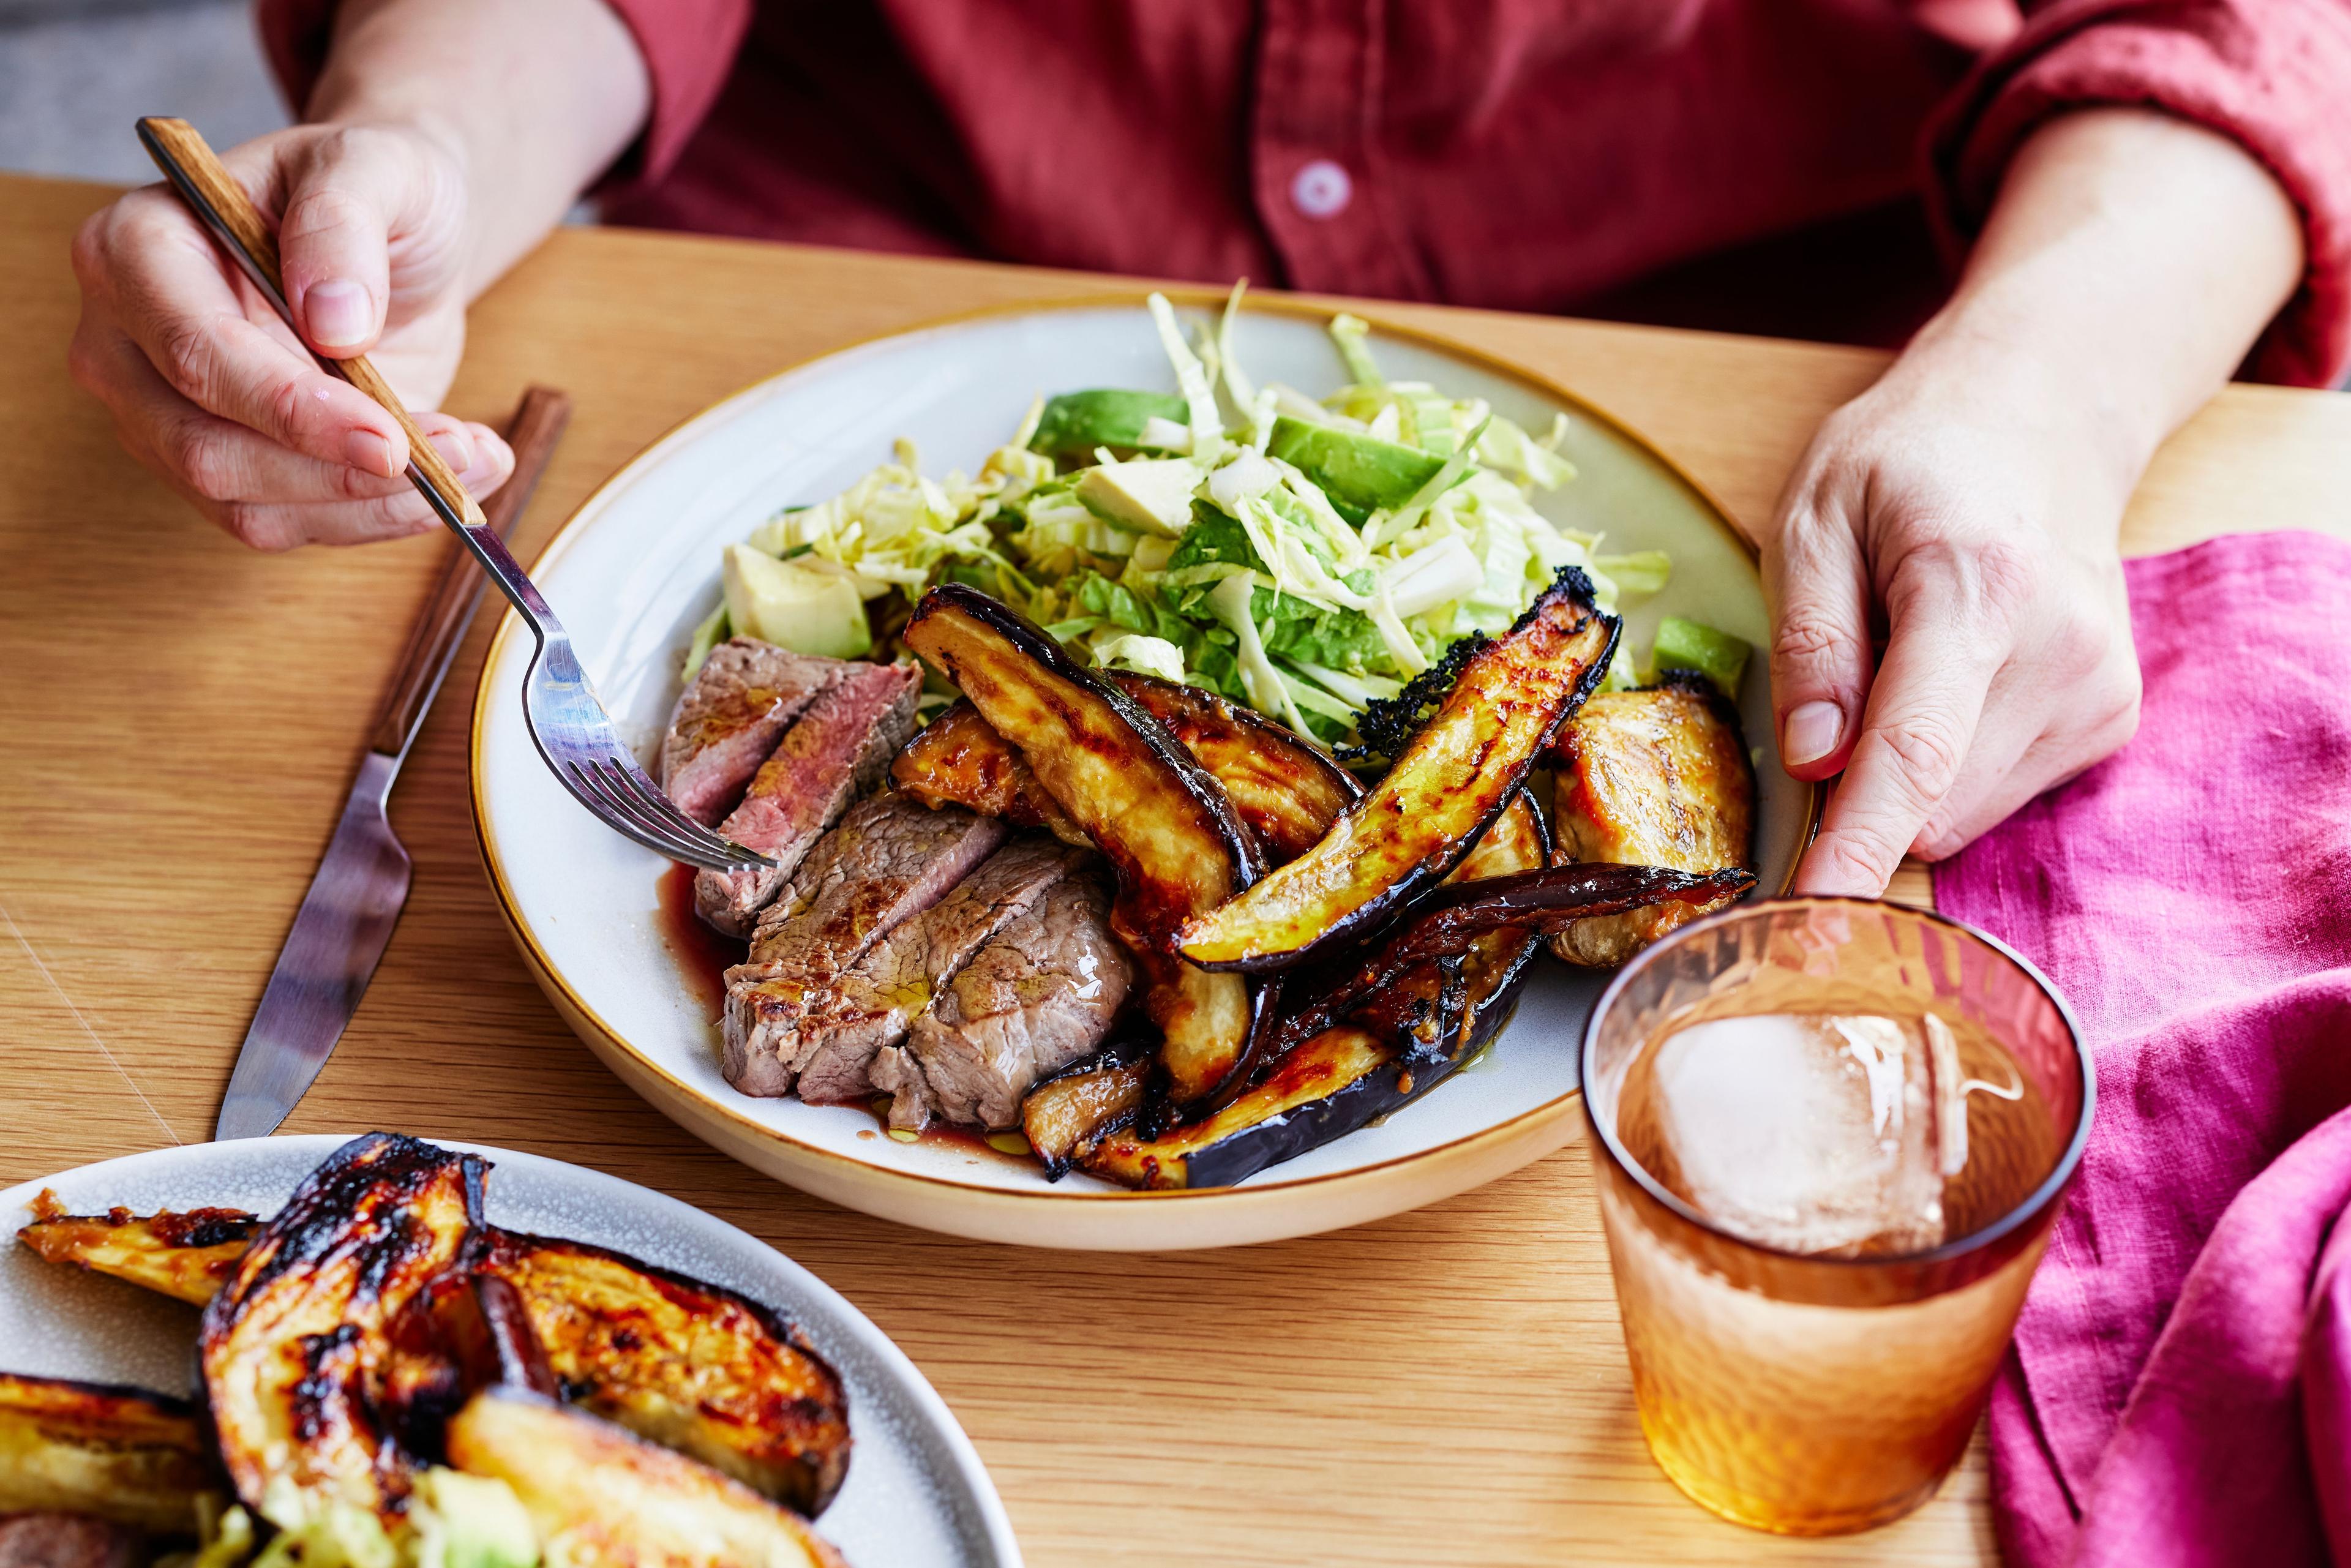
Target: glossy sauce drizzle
1014, 1148
702, 955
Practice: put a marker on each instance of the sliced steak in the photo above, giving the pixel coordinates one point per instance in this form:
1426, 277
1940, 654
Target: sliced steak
891, 858
837, 752
66, 1540
1044, 993
730, 717
881, 995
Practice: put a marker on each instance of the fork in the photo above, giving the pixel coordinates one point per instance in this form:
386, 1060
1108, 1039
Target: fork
570, 727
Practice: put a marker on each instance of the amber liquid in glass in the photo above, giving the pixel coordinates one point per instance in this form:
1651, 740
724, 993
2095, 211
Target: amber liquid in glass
1867, 1132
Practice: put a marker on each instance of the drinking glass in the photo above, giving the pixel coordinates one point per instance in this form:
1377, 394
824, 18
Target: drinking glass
1811, 1392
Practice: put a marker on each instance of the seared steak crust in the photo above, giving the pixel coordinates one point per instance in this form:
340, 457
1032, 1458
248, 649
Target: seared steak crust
729, 718
836, 753
879, 998
891, 858
1041, 995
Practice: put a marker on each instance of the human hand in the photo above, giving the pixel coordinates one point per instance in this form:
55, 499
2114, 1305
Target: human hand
1965, 513
208, 388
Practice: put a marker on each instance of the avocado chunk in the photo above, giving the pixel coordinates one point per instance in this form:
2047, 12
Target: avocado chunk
803, 608
1361, 474
478, 1521
1689, 645
1151, 497
1074, 424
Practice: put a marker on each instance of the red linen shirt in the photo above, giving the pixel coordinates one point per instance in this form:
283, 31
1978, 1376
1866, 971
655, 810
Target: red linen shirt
1521, 154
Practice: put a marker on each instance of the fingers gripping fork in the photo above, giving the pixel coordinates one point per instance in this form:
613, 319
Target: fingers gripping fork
570, 727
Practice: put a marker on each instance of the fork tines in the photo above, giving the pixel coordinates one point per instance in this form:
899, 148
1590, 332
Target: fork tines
619, 792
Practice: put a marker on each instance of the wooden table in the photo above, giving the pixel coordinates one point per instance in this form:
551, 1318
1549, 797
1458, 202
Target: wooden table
178, 722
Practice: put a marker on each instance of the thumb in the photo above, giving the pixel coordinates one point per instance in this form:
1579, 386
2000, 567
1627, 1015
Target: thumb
349, 192
1817, 586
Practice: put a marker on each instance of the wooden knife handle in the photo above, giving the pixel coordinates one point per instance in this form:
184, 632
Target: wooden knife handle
537, 424
204, 182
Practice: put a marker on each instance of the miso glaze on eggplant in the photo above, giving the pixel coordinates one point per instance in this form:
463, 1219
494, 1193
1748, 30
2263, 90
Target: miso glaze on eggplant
1165, 824
292, 1349
1424, 814
184, 1255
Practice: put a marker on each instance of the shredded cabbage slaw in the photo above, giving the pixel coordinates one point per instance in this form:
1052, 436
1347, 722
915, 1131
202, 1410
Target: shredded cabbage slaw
1199, 555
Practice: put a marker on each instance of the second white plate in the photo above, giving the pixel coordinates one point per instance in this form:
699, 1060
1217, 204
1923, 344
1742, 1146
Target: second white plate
916, 1496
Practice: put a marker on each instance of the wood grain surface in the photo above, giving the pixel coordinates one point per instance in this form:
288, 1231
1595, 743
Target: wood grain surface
179, 717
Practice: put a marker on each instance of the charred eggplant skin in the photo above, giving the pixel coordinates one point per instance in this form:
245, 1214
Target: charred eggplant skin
104, 1449
1286, 788
1460, 918
292, 1348
683, 1364
1399, 1042
1208, 810
1323, 1090
1429, 1002
1163, 822
1068, 1113
183, 1255
1453, 777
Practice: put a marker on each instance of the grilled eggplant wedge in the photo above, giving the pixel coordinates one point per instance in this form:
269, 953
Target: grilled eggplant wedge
1433, 1015
1320, 1090
1287, 790
1448, 783
683, 1365
188, 1256
680, 1362
1335, 1082
957, 760
1065, 1115
599, 1497
1454, 922
1163, 822
294, 1349
1432, 1002
120, 1453
1656, 776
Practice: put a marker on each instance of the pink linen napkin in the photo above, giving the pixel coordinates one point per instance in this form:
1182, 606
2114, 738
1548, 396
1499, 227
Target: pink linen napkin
2181, 1388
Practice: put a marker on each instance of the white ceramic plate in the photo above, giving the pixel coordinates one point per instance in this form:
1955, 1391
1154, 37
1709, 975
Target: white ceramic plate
638, 566
916, 1496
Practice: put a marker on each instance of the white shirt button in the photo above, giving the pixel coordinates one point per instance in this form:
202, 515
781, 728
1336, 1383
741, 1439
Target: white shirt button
1322, 189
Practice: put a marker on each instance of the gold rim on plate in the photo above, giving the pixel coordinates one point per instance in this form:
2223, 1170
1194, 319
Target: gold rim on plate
1528, 1127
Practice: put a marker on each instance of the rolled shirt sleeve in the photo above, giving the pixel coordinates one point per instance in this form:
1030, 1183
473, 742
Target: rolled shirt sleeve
688, 46
2274, 75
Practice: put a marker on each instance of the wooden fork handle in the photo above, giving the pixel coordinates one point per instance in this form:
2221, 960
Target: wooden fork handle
537, 427
204, 182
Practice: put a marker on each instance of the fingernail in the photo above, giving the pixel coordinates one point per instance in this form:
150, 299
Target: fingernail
338, 313
455, 449
1811, 732
369, 452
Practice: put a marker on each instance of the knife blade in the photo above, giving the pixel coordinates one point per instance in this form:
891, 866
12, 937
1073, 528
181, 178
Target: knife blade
354, 901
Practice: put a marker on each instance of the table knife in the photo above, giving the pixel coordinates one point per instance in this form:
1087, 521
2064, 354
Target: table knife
355, 899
